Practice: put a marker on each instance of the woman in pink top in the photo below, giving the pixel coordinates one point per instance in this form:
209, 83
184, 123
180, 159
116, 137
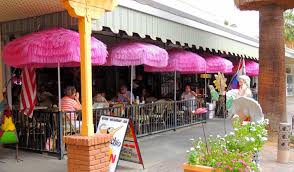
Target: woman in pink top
70, 103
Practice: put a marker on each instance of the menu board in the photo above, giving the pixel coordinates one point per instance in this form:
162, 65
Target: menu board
116, 127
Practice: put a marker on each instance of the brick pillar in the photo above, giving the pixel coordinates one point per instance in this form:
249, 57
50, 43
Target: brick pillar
88, 153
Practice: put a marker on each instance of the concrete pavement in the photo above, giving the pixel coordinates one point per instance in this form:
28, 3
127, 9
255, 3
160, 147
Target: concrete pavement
163, 152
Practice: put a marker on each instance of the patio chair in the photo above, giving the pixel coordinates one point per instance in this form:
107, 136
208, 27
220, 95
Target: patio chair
159, 114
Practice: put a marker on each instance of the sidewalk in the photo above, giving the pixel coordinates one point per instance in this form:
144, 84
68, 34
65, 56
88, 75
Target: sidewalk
163, 152
269, 157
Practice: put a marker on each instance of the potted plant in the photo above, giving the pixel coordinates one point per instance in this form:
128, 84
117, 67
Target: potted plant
233, 152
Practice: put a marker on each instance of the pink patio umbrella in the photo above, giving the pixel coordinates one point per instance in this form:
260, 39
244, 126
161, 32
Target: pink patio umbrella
251, 67
181, 61
217, 64
51, 48
137, 53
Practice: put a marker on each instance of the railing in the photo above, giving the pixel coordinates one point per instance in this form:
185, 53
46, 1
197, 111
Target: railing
43, 132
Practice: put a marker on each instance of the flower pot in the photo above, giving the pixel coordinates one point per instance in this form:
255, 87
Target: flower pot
199, 168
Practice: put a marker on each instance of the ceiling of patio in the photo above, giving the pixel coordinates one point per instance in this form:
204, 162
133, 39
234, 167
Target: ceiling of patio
19, 9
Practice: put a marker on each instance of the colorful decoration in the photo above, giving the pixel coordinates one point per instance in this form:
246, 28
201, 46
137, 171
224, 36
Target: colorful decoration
8, 133
220, 83
214, 94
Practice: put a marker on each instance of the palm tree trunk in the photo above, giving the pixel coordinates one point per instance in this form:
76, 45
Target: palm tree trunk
272, 88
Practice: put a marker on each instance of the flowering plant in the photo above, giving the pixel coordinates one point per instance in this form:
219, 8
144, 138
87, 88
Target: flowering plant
232, 152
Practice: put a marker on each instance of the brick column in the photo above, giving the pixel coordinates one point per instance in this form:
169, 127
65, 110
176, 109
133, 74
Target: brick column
88, 153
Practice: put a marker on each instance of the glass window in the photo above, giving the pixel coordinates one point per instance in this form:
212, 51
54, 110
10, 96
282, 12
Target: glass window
290, 85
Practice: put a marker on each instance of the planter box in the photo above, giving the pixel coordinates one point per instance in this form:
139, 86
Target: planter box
199, 168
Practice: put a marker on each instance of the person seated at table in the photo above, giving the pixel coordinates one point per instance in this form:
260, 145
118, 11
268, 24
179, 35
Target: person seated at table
100, 101
124, 95
188, 94
45, 98
70, 104
147, 96
138, 85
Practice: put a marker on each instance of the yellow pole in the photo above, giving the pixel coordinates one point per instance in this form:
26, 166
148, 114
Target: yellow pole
86, 75
85, 10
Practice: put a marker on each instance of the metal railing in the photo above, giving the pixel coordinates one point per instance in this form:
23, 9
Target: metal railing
43, 132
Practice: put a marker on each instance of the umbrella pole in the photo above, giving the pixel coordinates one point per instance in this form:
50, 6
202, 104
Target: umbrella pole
59, 88
175, 86
132, 71
175, 98
205, 85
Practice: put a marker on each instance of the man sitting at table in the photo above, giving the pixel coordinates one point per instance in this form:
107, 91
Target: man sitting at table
124, 95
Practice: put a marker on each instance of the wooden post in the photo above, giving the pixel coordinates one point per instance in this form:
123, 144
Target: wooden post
85, 11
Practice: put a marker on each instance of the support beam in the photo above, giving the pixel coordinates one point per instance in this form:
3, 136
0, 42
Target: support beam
86, 76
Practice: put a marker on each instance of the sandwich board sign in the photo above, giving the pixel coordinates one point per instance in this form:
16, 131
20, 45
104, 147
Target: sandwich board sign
124, 145
130, 150
116, 127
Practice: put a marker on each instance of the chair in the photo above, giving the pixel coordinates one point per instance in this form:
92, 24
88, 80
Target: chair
159, 114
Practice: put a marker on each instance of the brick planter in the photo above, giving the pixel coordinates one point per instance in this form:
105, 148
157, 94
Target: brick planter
88, 153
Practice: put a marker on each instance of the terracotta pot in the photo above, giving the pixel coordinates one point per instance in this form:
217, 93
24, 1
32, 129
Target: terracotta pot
199, 168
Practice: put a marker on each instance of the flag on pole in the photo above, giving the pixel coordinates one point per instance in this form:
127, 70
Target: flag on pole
241, 71
28, 95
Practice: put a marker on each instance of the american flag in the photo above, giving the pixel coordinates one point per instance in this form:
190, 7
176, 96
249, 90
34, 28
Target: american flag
28, 93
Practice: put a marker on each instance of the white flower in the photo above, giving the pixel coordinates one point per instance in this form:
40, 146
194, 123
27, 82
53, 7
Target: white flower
266, 121
259, 136
252, 139
223, 139
228, 141
198, 147
236, 129
264, 139
231, 133
218, 136
210, 135
247, 138
255, 149
187, 151
252, 123
225, 135
199, 138
192, 149
253, 129
191, 139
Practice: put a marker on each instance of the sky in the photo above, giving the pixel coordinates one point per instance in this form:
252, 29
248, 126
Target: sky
220, 10
217, 11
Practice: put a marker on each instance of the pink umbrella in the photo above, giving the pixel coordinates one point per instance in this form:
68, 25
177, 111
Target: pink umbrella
49, 48
217, 64
251, 67
137, 53
182, 61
